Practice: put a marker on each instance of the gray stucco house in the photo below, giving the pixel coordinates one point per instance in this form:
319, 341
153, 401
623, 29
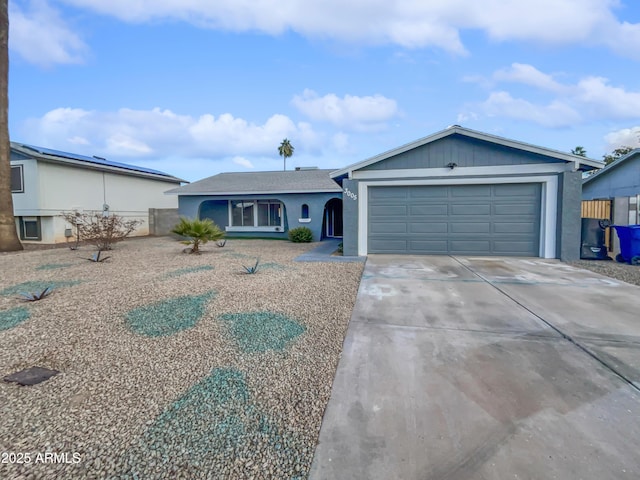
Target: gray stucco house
266, 204
457, 191
464, 192
620, 183
619, 179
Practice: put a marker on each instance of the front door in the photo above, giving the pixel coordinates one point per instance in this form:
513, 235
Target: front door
333, 218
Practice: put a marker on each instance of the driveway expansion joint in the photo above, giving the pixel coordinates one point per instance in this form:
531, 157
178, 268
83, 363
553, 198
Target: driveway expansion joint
564, 335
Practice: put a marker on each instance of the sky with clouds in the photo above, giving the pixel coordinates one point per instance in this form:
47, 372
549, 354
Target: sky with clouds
196, 87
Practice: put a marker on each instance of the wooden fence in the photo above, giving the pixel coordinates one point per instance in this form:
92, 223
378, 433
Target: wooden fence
599, 209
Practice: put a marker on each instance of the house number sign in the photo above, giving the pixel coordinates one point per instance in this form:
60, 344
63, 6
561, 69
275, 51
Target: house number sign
350, 194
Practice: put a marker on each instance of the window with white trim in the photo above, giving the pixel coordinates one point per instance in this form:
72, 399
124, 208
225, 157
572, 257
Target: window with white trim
30, 228
17, 179
256, 213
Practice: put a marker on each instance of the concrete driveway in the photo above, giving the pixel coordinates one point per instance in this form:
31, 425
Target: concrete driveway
485, 368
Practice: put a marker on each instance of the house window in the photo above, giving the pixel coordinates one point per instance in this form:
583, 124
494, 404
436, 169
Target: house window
17, 179
30, 228
305, 211
256, 213
242, 213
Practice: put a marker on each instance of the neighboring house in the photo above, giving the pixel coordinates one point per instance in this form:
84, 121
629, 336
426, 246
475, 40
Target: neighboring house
266, 204
620, 182
464, 192
46, 182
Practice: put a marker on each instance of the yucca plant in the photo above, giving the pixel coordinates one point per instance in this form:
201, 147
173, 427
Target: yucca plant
198, 232
252, 270
35, 296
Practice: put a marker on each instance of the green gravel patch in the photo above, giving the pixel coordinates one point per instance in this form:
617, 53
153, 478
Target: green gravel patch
185, 271
13, 317
168, 316
258, 332
37, 286
53, 266
215, 420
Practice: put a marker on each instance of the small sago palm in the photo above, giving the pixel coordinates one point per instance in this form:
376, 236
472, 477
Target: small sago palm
198, 232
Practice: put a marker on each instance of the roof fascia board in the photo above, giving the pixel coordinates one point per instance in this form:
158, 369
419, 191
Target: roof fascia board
472, 134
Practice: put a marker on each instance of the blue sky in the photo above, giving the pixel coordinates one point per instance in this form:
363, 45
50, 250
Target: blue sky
199, 87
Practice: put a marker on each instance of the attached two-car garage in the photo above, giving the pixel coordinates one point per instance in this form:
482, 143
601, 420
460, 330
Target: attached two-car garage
463, 192
501, 219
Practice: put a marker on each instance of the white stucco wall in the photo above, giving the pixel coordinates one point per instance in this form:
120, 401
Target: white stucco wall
54, 188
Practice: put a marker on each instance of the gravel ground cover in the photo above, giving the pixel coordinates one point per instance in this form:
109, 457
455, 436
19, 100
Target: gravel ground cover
234, 388
619, 271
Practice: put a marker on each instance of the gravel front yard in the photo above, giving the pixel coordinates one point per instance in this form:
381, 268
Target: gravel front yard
173, 365
619, 271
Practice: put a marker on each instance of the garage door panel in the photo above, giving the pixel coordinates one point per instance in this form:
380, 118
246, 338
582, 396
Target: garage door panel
516, 209
388, 245
514, 227
429, 246
467, 209
386, 228
389, 210
455, 219
389, 192
469, 246
471, 191
516, 190
429, 227
435, 192
521, 248
470, 227
437, 209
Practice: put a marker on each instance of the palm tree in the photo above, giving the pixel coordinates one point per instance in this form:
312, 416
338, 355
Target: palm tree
198, 232
9, 241
580, 151
285, 150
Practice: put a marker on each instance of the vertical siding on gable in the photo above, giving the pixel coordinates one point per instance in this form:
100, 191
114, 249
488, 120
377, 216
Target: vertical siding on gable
464, 151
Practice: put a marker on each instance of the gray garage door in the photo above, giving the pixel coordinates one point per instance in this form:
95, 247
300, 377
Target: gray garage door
460, 219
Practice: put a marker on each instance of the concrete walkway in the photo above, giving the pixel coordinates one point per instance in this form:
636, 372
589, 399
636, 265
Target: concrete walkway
485, 368
324, 253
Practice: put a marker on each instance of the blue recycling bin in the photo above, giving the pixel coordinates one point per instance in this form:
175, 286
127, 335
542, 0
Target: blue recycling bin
629, 236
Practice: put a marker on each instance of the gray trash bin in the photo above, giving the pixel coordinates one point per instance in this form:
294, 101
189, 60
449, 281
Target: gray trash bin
593, 245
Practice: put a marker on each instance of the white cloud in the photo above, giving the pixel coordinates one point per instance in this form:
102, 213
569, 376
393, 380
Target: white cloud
163, 133
243, 162
528, 75
589, 98
40, 36
626, 137
408, 23
352, 112
555, 114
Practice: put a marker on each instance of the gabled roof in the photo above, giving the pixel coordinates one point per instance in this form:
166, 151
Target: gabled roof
581, 162
635, 153
244, 183
95, 163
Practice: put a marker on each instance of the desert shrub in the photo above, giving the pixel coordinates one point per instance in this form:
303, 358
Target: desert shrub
198, 232
300, 235
99, 230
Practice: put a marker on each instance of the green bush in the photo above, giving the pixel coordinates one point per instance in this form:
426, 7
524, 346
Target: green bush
199, 232
300, 235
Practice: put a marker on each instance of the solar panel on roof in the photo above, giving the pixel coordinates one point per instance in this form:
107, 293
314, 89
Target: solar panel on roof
96, 160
